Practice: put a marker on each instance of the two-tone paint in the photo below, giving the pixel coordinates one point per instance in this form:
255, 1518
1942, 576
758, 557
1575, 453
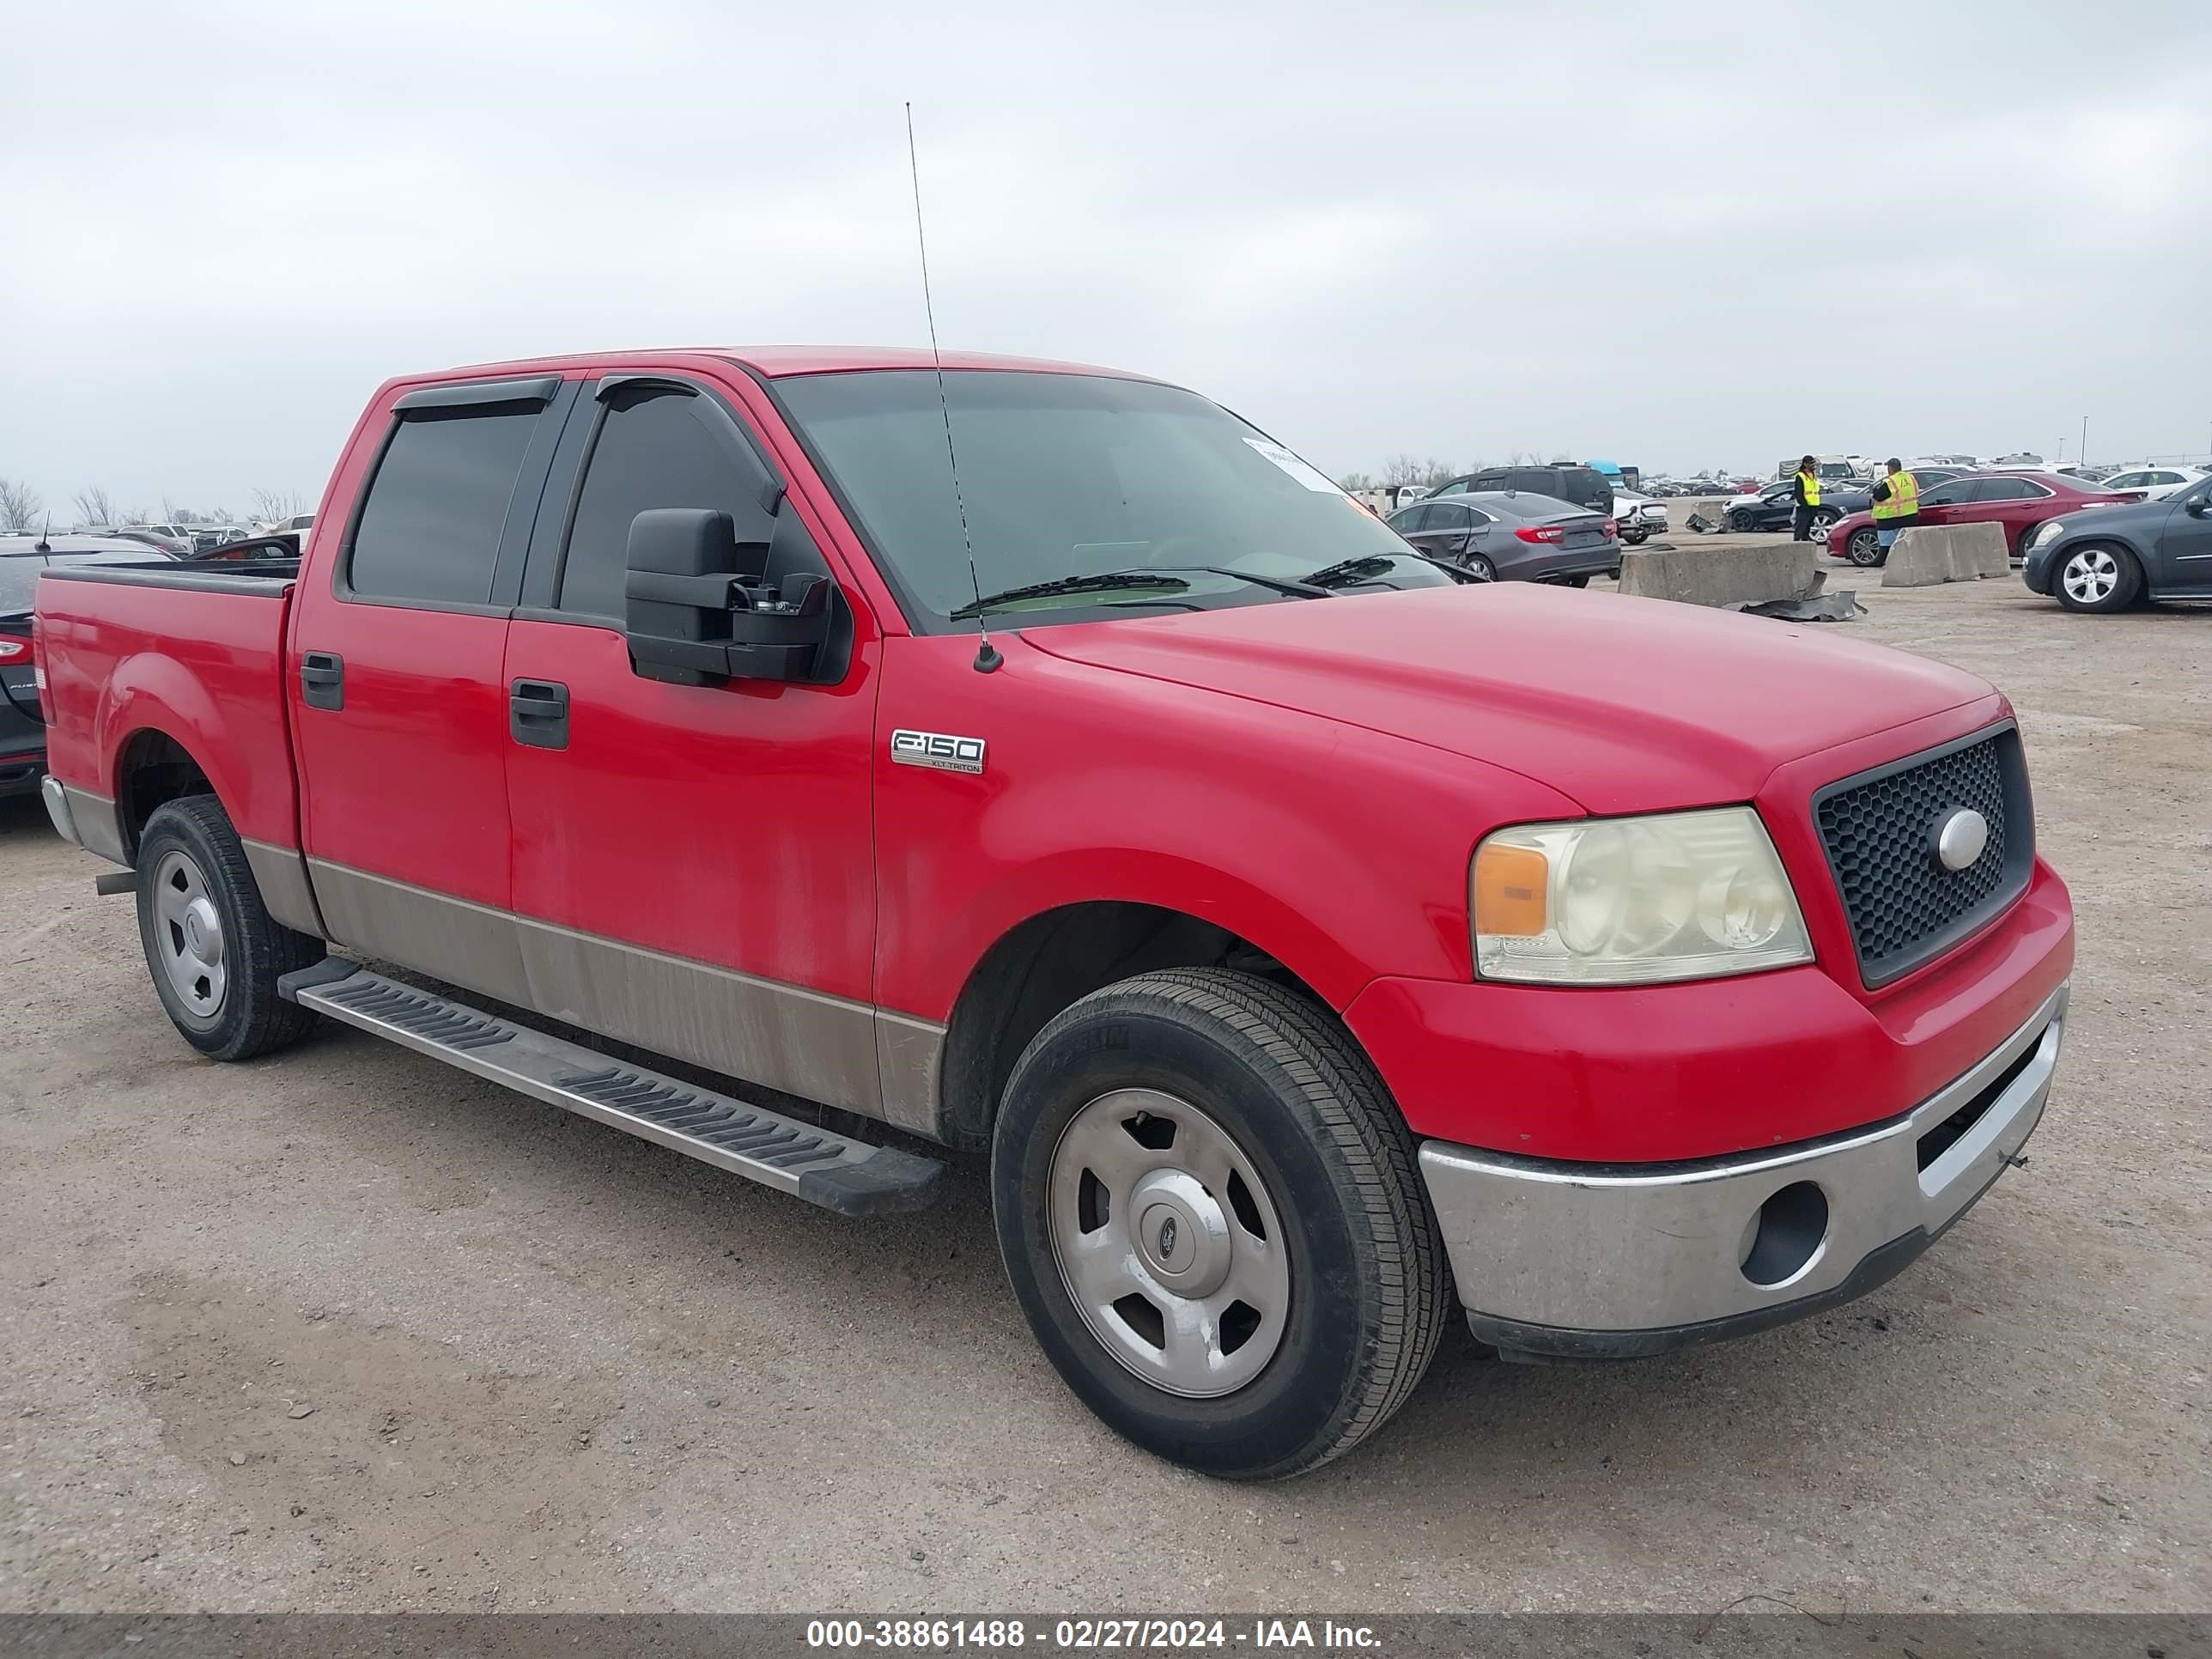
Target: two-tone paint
747, 877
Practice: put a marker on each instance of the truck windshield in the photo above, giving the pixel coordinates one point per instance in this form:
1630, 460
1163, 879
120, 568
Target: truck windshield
1069, 475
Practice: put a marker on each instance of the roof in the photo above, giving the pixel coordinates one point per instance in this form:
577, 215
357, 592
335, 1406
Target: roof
777, 362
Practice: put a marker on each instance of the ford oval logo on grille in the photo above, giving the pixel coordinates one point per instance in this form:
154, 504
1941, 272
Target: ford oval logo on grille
1962, 838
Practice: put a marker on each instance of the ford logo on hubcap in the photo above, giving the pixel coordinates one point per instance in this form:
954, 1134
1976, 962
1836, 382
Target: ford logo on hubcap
1962, 838
1168, 1239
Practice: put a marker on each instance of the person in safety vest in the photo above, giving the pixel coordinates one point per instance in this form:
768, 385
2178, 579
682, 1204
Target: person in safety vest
1896, 505
1805, 490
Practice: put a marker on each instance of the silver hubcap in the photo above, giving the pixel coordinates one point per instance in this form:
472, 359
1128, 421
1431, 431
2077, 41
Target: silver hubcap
1819, 531
188, 939
1168, 1243
1481, 569
2091, 576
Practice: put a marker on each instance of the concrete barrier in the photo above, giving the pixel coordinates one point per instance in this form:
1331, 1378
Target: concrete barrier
1718, 573
1926, 554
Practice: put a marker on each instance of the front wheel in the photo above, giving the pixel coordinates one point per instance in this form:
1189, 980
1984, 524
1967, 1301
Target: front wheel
2097, 578
1823, 521
1864, 547
214, 951
1211, 1213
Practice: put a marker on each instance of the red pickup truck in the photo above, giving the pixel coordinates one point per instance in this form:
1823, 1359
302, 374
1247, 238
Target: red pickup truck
1043, 763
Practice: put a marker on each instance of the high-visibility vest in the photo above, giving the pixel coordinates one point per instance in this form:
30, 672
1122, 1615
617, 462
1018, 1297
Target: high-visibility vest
1812, 483
1904, 497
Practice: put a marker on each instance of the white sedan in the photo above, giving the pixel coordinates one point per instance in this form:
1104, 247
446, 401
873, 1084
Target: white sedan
1640, 517
2156, 482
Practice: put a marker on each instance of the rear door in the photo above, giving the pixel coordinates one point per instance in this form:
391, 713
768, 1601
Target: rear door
693, 865
398, 709
2012, 504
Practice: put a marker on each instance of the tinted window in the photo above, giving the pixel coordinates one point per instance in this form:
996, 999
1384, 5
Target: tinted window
430, 528
2007, 489
1949, 494
1449, 515
1456, 487
1409, 518
667, 451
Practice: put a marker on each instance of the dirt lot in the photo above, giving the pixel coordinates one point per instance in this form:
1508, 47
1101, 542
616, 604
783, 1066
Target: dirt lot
345, 1329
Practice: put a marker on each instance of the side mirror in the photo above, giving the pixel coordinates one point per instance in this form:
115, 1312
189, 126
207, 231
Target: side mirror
2200, 507
698, 609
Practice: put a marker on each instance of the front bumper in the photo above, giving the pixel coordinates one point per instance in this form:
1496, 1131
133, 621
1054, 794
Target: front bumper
1605, 1261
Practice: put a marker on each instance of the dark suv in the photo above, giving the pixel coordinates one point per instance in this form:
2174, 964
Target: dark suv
1585, 486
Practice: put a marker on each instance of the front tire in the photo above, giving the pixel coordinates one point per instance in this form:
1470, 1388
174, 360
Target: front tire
2098, 578
1212, 1215
1864, 548
1823, 521
212, 949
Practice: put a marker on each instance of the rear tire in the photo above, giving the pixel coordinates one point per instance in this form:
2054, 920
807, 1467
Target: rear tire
1214, 1130
1480, 568
212, 949
2097, 577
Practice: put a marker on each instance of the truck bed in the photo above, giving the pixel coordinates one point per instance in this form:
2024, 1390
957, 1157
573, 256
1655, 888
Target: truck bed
136, 653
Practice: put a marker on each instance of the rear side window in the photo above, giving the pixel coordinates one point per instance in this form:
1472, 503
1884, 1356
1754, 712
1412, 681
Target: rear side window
1449, 515
1411, 518
430, 529
670, 450
2007, 489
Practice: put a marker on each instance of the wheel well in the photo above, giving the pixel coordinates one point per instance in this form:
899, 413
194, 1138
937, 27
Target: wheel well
156, 770
1050, 961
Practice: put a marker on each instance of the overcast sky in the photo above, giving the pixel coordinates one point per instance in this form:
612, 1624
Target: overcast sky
1681, 234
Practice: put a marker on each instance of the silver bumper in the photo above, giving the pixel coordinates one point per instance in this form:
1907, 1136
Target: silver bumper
1597, 1261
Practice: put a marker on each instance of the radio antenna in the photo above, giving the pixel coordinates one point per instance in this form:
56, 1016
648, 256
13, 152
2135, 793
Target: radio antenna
986, 655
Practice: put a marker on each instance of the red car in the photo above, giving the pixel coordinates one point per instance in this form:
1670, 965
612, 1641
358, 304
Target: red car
2020, 502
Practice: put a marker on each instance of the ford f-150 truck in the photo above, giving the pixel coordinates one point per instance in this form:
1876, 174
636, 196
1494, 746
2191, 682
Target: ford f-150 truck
1043, 762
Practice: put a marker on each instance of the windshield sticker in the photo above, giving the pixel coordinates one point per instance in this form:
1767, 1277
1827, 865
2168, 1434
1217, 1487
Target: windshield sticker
1310, 476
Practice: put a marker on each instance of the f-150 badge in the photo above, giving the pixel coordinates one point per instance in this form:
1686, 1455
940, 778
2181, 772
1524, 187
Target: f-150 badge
937, 749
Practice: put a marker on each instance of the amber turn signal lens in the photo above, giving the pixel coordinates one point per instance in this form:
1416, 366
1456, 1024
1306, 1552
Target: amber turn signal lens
1510, 886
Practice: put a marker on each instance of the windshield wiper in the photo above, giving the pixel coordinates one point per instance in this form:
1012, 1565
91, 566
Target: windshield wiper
1344, 570
1095, 581
1156, 575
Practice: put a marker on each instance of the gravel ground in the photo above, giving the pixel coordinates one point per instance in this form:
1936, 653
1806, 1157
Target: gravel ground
344, 1330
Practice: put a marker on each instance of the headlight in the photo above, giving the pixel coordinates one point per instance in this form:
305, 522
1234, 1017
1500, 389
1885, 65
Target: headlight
2046, 532
1634, 901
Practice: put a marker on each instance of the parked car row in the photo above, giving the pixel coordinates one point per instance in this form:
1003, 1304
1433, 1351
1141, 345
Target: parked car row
2018, 502
1508, 536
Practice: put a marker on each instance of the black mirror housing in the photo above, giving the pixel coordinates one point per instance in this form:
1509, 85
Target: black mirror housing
698, 608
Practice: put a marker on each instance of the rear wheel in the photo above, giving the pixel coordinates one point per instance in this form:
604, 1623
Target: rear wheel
2098, 578
1864, 548
213, 953
1479, 568
1210, 1210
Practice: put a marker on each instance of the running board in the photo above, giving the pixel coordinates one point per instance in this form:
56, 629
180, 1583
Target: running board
849, 1176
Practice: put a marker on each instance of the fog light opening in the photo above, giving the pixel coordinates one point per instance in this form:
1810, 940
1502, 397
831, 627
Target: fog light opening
1784, 1234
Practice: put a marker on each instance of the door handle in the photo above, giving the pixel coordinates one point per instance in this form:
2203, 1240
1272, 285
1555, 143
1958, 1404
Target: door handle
322, 679
537, 714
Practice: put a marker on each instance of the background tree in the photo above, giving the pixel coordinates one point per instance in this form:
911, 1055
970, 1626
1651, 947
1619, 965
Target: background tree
1413, 470
270, 505
1353, 482
97, 507
20, 506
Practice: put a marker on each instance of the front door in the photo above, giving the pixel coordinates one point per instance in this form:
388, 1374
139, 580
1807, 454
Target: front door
2185, 544
694, 865
399, 710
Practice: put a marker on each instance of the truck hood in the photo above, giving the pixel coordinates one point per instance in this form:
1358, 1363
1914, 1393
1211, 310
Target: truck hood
1625, 705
